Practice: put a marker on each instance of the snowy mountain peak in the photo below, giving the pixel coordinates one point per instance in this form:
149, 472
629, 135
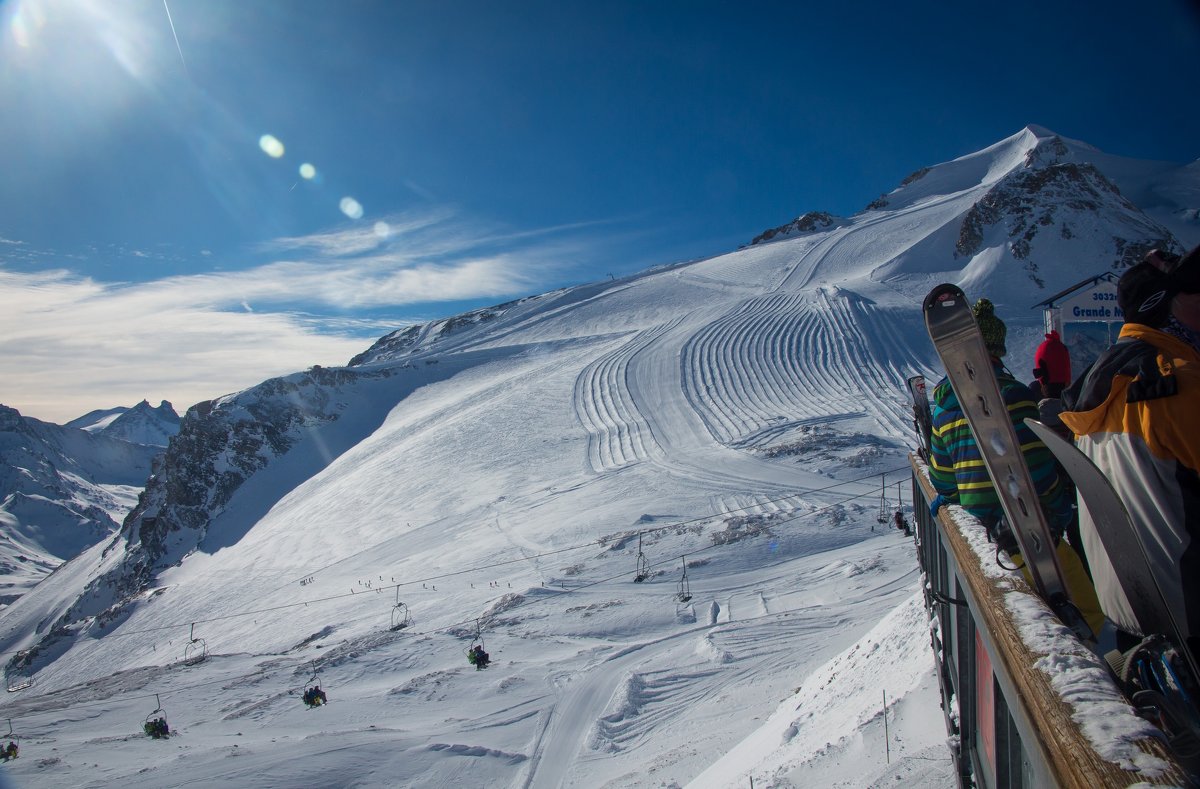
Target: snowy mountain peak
142, 424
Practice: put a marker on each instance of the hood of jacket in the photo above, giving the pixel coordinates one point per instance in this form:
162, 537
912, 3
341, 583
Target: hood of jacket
1149, 372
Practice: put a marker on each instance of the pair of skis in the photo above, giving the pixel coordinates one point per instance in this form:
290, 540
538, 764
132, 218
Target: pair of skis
922, 417
968, 364
960, 346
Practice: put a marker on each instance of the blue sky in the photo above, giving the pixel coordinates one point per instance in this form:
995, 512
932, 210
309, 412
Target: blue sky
158, 238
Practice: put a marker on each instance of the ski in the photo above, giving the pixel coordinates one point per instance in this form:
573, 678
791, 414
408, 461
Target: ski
958, 343
922, 419
1121, 538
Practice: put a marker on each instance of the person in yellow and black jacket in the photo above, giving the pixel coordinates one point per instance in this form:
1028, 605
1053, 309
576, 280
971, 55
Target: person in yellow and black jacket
1136, 412
958, 474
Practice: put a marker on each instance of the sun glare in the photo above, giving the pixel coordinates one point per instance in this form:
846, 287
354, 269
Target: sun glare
91, 58
271, 146
307, 171
351, 208
23, 21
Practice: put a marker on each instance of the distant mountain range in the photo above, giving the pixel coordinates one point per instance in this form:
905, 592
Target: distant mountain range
689, 388
142, 424
66, 488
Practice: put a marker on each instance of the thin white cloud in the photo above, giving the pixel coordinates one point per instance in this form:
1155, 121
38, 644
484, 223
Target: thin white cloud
70, 344
358, 239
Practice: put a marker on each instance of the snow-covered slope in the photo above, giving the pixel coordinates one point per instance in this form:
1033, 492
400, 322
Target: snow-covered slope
498, 474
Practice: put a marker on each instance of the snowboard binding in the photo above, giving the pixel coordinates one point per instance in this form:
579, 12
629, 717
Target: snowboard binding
1158, 682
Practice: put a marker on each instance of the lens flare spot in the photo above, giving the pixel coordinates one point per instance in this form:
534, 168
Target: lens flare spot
26, 20
351, 207
307, 171
271, 146
383, 229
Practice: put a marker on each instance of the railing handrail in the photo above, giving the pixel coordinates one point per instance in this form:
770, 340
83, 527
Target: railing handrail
1046, 721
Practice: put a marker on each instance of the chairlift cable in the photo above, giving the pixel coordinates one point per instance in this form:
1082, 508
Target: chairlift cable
330, 598
551, 593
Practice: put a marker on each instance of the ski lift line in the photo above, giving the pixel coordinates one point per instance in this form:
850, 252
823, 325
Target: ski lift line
107, 702
551, 594
524, 559
554, 593
675, 525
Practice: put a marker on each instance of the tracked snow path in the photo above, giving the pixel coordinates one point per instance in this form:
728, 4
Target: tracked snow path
608, 710
779, 361
618, 432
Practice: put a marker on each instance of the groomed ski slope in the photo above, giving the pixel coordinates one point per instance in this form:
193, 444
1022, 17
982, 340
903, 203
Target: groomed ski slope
740, 411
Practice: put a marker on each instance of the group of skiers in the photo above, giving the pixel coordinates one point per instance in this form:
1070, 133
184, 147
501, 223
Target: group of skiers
9, 751
477, 657
315, 697
1135, 412
157, 728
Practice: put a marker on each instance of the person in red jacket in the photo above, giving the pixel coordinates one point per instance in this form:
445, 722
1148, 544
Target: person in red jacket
1052, 365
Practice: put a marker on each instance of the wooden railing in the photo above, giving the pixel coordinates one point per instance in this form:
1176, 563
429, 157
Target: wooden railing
992, 637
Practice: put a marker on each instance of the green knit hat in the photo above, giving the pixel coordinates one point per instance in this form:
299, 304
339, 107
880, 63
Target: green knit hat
991, 327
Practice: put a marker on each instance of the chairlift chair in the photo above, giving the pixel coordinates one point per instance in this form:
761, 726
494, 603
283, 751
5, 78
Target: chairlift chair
477, 640
313, 683
685, 590
20, 675
400, 615
196, 650
12, 735
643, 566
883, 505
149, 726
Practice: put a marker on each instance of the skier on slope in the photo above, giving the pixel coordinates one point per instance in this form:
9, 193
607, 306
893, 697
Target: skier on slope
1136, 412
960, 477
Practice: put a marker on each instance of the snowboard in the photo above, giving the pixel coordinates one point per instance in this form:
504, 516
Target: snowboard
922, 419
1122, 542
959, 344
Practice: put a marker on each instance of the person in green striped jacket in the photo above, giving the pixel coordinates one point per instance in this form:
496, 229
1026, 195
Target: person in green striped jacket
959, 476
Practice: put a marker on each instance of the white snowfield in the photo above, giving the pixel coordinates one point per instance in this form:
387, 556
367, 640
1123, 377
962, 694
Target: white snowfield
740, 411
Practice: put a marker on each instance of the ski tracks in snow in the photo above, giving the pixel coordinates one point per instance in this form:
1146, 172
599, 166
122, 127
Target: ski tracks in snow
616, 704
747, 374
618, 433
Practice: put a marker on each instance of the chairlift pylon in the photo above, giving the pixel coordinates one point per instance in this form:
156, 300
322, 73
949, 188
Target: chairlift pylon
685, 591
643, 566
400, 615
196, 650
